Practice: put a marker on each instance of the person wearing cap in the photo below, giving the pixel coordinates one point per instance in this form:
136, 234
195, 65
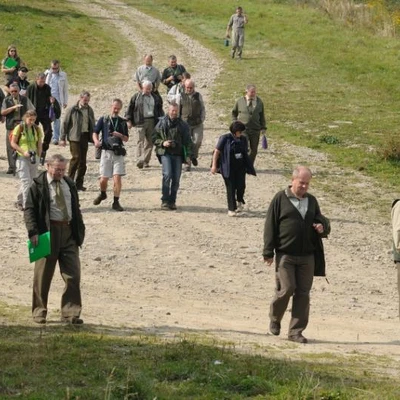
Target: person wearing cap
21, 80
232, 161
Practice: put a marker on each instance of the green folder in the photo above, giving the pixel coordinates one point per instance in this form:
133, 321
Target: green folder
43, 248
10, 63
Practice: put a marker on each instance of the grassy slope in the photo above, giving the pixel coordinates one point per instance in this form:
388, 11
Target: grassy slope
310, 72
43, 30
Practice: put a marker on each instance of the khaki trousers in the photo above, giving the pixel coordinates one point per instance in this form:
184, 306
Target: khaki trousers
144, 143
294, 277
398, 282
66, 252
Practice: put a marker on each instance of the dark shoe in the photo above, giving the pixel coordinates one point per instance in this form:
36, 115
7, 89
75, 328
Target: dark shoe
298, 338
42, 158
10, 171
39, 320
140, 164
116, 206
99, 199
72, 320
81, 188
55, 142
275, 328
165, 206
172, 206
188, 168
146, 166
195, 162
233, 53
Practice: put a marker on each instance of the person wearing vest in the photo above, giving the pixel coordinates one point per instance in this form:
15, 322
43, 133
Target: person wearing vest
250, 110
27, 141
112, 163
13, 108
396, 240
193, 112
144, 110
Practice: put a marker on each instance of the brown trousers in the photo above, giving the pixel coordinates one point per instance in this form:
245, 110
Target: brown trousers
294, 277
77, 164
66, 252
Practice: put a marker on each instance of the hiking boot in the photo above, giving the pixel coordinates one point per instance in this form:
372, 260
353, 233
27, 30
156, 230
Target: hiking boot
164, 206
298, 338
99, 198
72, 320
42, 158
172, 206
275, 328
81, 188
233, 53
10, 171
195, 162
140, 164
116, 206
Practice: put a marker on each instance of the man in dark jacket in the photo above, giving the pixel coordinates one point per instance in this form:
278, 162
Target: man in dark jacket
39, 93
53, 205
78, 128
144, 110
293, 226
174, 146
13, 108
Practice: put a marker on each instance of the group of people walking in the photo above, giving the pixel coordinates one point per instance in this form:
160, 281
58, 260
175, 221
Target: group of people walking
50, 201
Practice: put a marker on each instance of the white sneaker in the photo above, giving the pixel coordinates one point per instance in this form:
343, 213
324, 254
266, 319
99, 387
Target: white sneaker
231, 214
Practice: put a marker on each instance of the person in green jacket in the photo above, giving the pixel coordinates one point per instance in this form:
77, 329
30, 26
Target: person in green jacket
250, 110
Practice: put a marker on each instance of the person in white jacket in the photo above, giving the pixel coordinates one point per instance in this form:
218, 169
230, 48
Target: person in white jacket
58, 82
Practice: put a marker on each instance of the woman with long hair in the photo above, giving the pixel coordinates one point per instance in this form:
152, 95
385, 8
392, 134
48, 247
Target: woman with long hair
11, 63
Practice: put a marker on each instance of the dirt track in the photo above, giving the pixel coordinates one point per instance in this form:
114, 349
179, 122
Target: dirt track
196, 270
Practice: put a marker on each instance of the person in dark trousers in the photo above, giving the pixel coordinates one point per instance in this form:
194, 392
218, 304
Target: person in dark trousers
53, 206
250, 110
39, 93
293, 230
78, 127
13, 109
231, 154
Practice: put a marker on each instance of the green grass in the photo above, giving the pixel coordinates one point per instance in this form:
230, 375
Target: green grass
87, 47
312, 74
87, 363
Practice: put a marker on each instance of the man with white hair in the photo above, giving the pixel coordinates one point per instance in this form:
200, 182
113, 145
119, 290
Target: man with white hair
193, 112
144, 110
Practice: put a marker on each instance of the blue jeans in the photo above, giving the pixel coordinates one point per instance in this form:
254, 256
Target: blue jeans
171, 170
56, 129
